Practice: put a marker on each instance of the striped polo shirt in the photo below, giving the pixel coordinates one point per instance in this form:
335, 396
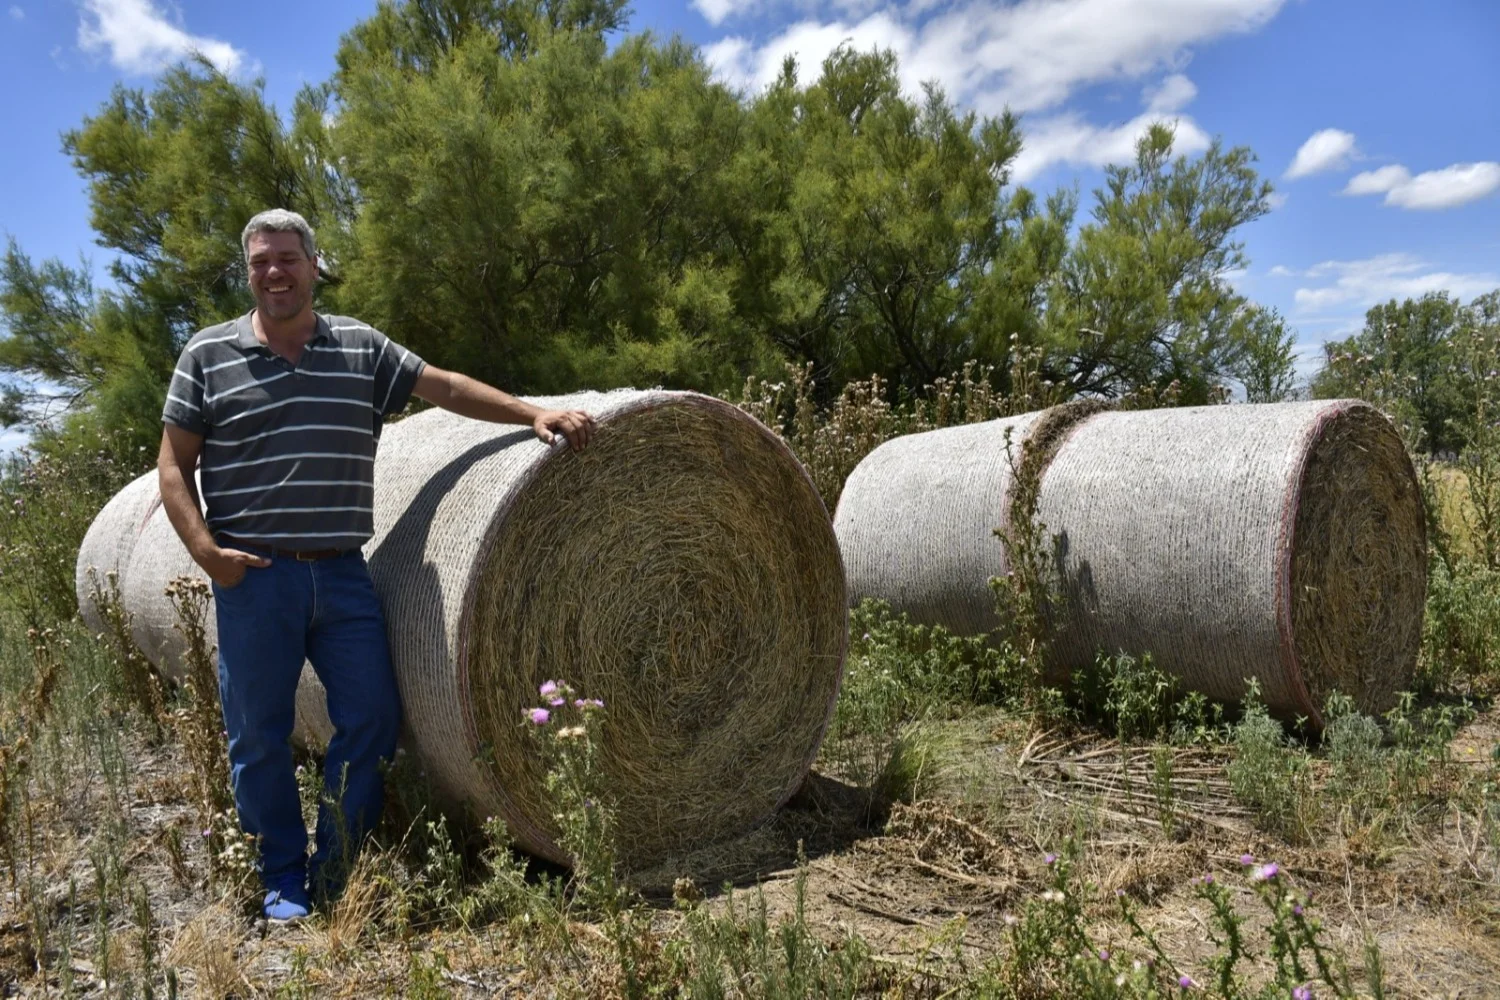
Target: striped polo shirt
288, 454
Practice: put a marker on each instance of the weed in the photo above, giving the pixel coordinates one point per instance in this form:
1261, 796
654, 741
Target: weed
830, 441
1029, 594
208, 945
15, 755
1130, 696
897, 677
1162, 772
200, 728
1461, 629
46, 505
1271, 775
141, 687
742, 953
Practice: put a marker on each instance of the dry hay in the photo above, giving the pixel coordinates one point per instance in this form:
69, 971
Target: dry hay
682, 569
1359, 560
1154, 870
1280, 542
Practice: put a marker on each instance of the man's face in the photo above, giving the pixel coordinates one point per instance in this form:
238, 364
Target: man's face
281, 274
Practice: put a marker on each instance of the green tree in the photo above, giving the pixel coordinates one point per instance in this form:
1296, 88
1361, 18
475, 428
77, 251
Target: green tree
1266, 365
513, 192
878, 225
172, 176
1143, 298
1403, 360
536, 208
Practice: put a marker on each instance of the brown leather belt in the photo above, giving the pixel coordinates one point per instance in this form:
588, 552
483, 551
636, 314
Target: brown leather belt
312, 555
302, 555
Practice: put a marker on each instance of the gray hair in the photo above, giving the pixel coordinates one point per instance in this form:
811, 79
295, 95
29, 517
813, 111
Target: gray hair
279, 220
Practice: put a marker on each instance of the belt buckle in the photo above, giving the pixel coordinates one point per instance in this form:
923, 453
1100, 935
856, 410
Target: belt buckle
307, 557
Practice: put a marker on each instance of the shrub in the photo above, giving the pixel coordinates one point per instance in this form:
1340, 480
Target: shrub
47, 502
1271, 775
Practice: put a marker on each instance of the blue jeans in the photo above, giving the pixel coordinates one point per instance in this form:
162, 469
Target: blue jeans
326, 612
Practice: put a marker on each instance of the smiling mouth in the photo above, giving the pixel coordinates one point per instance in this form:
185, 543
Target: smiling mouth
278, 289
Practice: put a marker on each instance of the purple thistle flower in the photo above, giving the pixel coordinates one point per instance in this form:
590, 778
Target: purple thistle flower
1104, 954
1186, 981
548, 689
1266, 872
1297, 910
1050, 859
1303, 992
539, 716
1247, 860
1208, 879
555, 702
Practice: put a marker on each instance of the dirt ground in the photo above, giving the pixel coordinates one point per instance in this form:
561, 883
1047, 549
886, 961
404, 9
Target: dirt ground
929, 885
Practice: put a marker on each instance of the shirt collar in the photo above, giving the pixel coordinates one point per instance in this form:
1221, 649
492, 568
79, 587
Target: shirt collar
244, 330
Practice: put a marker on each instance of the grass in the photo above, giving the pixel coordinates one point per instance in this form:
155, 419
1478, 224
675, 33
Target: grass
968, 832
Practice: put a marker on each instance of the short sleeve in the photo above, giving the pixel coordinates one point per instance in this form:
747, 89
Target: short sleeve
184, 406
396, 371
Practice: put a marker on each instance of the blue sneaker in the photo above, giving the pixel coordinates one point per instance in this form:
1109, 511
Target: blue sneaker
283, 907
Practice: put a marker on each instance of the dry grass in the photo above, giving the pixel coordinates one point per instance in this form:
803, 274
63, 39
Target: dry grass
352, 918
208, 947
919, 900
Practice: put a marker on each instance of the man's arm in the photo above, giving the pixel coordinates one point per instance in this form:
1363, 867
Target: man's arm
471, 398
175, 465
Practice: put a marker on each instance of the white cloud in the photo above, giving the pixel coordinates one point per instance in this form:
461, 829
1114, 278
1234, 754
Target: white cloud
1434, 189
1068, 138
1172, 94
1028, 55
17, 13
717, 10
1329, 149
1281, 272
1363, 283
1378, 181
1276, 200
139, 39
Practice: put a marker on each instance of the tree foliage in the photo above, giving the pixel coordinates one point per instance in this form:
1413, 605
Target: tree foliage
1423, 360
1143, 297
517, 190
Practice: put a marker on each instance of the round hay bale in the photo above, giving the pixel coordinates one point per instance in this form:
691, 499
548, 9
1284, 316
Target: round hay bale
682, 569
1283, 542
132, 537
109, 542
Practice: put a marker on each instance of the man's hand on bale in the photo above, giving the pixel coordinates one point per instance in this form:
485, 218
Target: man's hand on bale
575, 425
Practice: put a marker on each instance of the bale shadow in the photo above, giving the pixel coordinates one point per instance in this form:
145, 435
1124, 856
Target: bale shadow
825, 816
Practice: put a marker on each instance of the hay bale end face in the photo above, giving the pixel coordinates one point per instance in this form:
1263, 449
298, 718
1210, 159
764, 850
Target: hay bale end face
682, 569
1281, 542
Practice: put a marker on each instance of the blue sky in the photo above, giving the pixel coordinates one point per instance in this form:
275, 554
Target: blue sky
1377, 120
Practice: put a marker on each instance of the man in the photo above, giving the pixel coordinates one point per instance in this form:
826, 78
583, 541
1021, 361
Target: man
282, 409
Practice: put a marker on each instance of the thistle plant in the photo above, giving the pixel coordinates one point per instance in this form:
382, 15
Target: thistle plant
566, 726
